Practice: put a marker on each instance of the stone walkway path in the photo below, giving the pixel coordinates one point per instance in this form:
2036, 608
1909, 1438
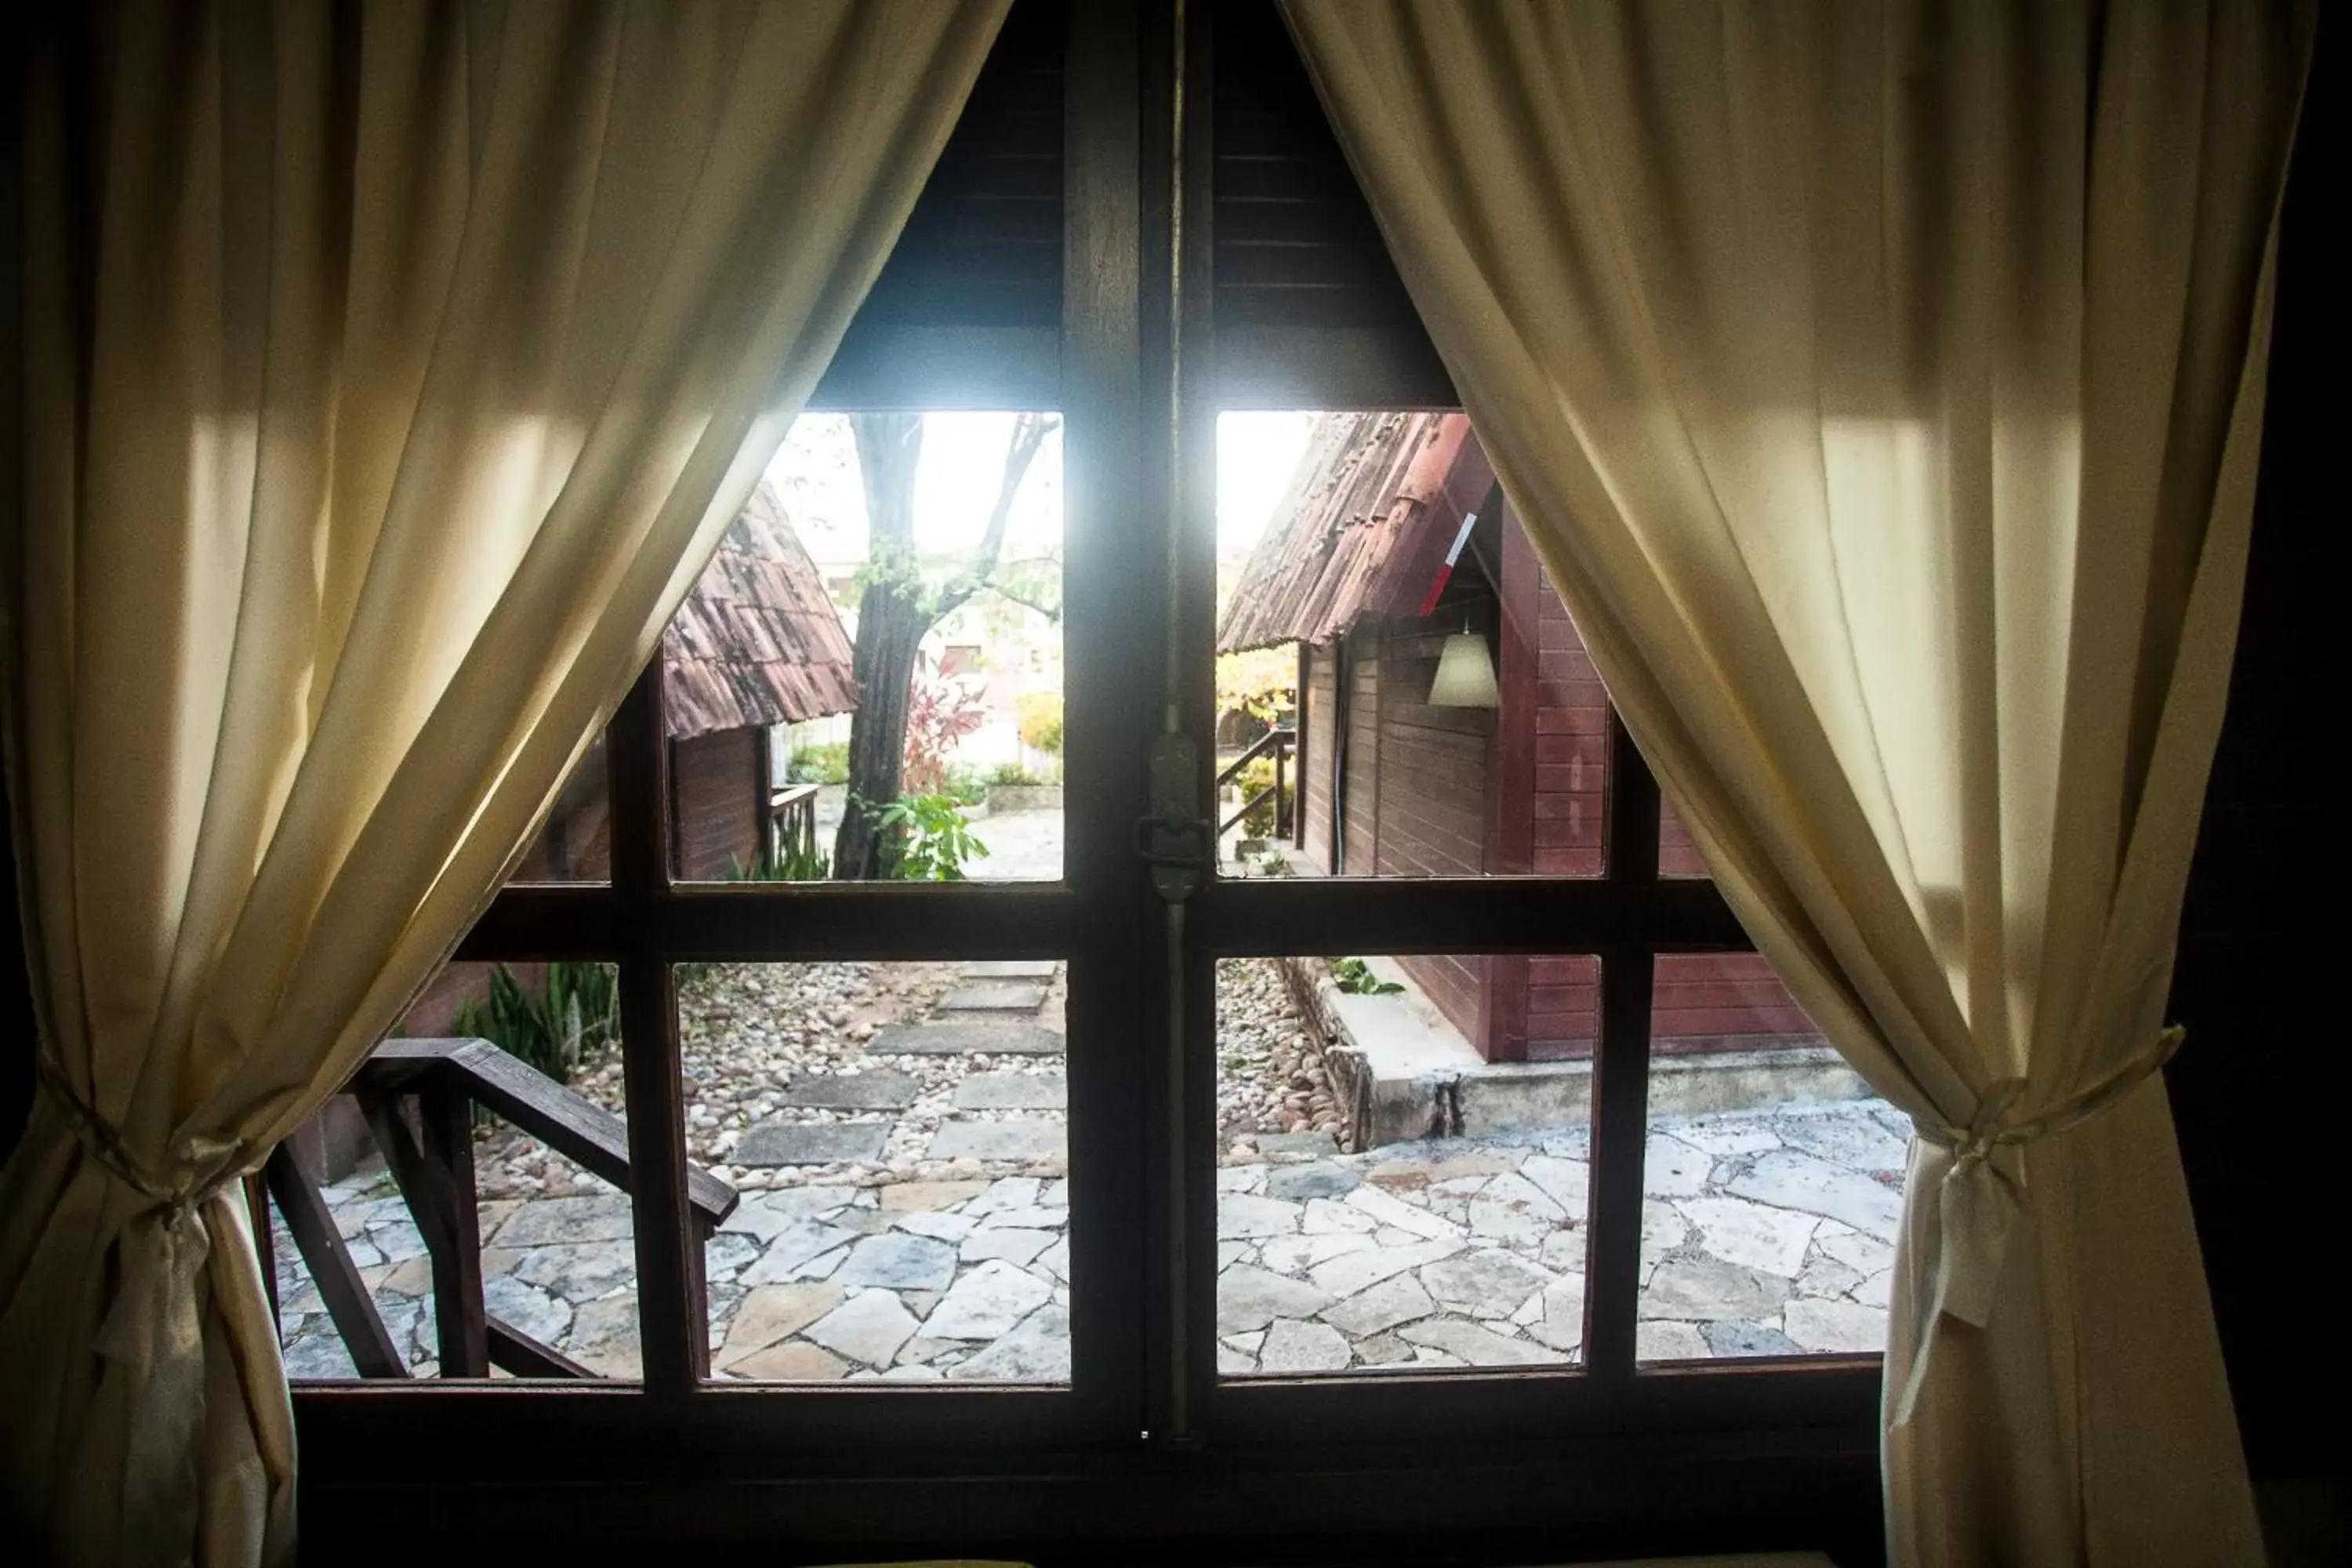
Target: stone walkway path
898, 1134
1763, 1234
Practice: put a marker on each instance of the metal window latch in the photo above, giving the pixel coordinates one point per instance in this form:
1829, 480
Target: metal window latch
1175, 841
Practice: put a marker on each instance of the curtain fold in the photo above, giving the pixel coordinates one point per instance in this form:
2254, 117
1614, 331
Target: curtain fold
387, 372
1882, 386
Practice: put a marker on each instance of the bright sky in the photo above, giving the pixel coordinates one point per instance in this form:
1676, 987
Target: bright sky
1256, 454
816, 473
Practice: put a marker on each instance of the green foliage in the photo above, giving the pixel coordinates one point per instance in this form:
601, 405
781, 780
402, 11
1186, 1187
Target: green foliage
964, 784
942, 711
1257, 774
1274, 863
792, 863
927, 839
1262, 682
1041, 721
574, 1012
1355, 977
826, 764
1015, 775
893, 567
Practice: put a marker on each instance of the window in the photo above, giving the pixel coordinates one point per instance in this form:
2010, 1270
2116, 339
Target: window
1097, 1153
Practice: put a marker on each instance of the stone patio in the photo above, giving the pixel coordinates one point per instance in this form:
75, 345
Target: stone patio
1764, 1234
903, 1215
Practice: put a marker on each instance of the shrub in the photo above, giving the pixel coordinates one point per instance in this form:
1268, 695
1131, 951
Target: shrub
940, 712
791, 864
1015, 775
824, 764
1257, 775
927, 839
1355, 976
1262, 682
574, 1012
966, 784
1041, 721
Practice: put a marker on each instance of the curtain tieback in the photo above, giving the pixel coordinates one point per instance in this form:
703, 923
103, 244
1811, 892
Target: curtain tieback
1982, 1192
104, 1145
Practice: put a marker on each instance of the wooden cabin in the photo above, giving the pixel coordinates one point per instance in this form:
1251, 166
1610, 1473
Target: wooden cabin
757, 644
1392, 785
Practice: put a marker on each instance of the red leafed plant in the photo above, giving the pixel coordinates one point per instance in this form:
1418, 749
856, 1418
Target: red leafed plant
940, 712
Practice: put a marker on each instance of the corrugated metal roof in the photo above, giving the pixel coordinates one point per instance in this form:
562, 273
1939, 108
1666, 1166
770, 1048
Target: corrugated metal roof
757, 641
1356, 535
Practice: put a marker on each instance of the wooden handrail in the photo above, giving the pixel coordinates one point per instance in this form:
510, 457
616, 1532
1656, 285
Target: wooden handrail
791, 827
418, 1096
1280, 742
574, 1126
1285, 739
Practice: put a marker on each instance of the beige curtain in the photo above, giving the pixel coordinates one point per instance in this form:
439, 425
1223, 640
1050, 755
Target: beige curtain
387, 374
1882, 385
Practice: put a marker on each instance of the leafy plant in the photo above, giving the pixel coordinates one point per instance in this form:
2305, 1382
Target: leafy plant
940, 712
792, 863
825, 763
1274, 863
967, 784
1262, 682
1015, 775
927, 839
1040, 714
574, 1012
1354, 976
1257, 775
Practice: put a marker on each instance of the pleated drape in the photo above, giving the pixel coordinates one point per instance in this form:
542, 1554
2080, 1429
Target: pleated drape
1882, 386
387, 371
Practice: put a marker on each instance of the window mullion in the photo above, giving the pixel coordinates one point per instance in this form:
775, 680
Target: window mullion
1621, 1073
674, 1338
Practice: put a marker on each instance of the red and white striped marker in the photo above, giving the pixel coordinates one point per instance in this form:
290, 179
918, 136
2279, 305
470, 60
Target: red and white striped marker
1446, 573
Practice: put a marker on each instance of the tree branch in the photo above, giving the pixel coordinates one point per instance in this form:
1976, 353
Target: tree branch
1029, 432
1051, 611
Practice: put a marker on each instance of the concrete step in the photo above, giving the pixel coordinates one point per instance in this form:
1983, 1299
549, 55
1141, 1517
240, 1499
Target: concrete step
965, 1037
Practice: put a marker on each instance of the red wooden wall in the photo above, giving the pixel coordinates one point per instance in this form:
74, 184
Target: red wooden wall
1435, 791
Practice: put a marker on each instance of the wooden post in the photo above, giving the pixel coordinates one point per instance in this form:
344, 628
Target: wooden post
1281, 793
446, 1113
348, 1304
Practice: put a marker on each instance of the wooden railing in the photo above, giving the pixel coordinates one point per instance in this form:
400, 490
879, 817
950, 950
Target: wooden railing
418, 1096
792, 822
1281, 743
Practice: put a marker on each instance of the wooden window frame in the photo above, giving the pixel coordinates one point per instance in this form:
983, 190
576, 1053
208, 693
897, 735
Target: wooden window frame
1145, 1436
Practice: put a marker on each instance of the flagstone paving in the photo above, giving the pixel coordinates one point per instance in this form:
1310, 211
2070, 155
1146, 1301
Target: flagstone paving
905, 1217
1448, 1253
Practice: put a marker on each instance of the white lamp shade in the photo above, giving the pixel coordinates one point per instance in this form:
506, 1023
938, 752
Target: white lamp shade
1465, 674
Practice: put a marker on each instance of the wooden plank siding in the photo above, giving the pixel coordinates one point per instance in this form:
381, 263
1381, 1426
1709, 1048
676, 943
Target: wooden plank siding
1521, 789
1318, 722
1360, 789
719, 793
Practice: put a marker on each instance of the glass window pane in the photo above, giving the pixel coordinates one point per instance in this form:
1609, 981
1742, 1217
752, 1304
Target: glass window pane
1400, 691
934, 543
1402, 1182
1772, 1180
557, 1260
899, 1133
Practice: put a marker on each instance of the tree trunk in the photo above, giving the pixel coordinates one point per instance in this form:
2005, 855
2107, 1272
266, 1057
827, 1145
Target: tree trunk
896, 611
891, 620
